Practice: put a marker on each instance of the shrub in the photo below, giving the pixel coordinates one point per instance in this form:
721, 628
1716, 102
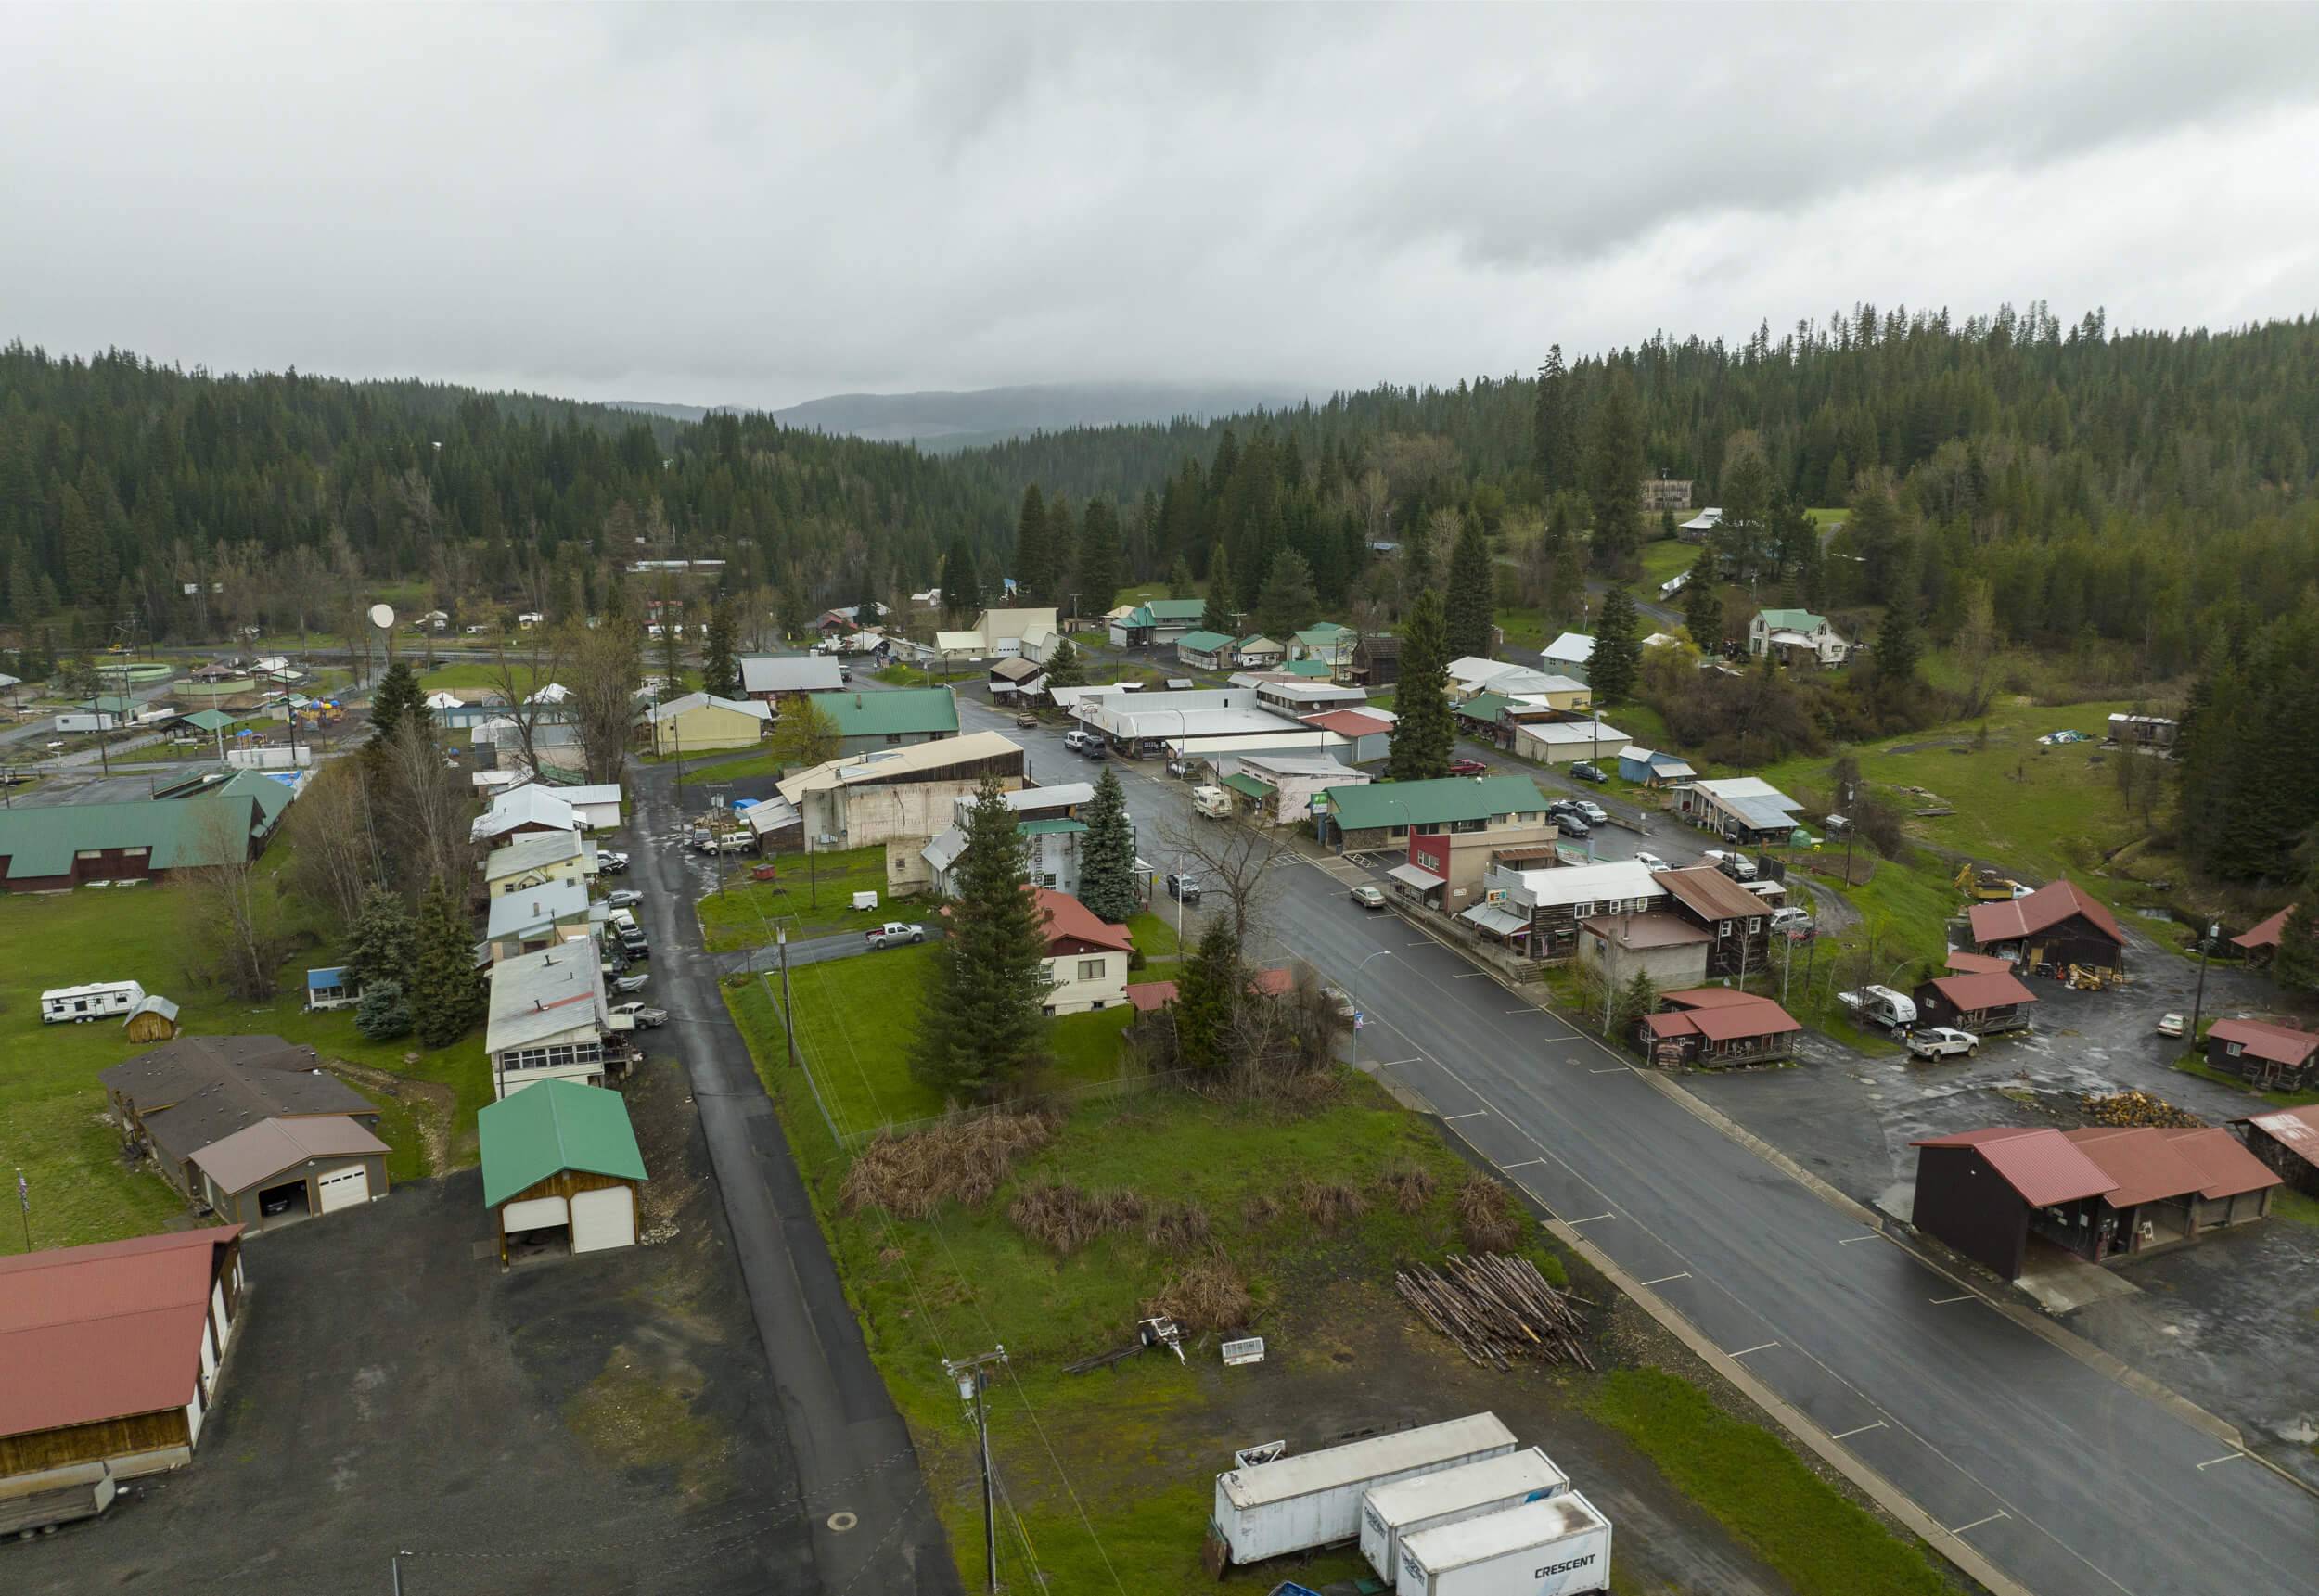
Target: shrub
912, 1175
1409, 1187
1329, 1203
1489, 1218
1180, 1226
1207, 1294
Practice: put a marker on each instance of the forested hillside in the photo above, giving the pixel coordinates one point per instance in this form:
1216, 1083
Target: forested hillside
282, 501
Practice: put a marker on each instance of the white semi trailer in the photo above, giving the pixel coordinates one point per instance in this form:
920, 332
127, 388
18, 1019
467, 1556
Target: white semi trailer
1301, 1502
1432, 1501
1559, 1546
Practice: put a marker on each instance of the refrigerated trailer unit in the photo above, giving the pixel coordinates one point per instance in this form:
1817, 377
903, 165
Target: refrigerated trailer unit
1559, 1546
1300, 1502
1432, 1501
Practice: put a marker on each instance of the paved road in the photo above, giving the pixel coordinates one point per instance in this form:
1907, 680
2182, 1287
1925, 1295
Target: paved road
843, 1427
2068, 1481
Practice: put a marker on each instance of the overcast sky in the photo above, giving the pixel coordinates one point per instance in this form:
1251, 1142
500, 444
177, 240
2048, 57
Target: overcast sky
756, 206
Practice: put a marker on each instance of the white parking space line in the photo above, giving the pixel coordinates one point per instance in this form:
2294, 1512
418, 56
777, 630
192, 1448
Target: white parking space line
1398, 1063
2226, 1457
1614, 1069
1470, 1114
1993, 1518
1940, 1301
1591, 1219
1862, 1431
1525, 1164
1472, 975
1664, 1279
1762, 1346
1871, 1236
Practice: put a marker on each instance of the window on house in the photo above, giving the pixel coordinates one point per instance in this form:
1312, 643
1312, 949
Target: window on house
1091, 969
1046, 1008
2234, 1050
1722, 927
1097, 1005
1429, 828
1754, 925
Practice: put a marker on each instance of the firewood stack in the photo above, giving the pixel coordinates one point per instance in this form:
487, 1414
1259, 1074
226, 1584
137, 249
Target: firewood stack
2137, 1107
1498, 1308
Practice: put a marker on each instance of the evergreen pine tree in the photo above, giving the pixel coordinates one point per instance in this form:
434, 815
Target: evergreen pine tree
1554, 427
1703, 610
1472, 594
396, 701
1032, 556
1614, 470
2294, 965
1617, 660
446, 999
1898, 644
720, 660
382, 943
1424, 734
1180, 584
962, 586
1096, 578
383, 1012
1289, 603
1065, 667
1216, 616
1637, 998
983, 1024
1207, 997
1107, 854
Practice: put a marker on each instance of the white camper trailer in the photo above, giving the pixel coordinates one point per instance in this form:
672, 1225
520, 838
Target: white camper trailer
97, 1001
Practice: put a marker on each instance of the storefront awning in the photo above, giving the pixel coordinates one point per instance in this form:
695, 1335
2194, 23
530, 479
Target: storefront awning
1497, 921
1416, 877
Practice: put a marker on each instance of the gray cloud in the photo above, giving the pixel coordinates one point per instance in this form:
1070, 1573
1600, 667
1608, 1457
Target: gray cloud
720, 204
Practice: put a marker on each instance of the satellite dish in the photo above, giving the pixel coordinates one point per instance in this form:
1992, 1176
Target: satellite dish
382, 616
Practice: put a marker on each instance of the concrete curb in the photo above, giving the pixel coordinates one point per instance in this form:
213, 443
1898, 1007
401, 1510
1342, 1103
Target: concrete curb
1886, 1495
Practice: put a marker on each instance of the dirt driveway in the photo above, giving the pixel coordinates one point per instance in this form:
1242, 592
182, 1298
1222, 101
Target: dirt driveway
596, 1425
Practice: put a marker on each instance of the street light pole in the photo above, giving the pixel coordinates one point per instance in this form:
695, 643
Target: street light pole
2198, 1003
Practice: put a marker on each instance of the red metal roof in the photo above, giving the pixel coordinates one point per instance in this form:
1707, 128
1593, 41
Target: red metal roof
2045, 1167
1721, 1015
2151, 1165
1986, 989
1150, 997
1350, 723
1710, 894
2280, 1044
1711, 998
2229, 1168
2297, 1130
98, 1333
1671, 1022
1067, 917
2267, 934
2048, 906
1977, 964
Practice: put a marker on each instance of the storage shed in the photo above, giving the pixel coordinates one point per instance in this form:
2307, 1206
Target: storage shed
2287, 1140
280, 1171
1313, 1498
153, 1020
114, 1351
560, 1155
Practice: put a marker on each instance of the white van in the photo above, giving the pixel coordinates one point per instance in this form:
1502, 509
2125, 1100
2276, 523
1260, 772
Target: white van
100, 1000
1214, 803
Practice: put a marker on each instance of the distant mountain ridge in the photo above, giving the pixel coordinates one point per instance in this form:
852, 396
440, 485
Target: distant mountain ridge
947, 421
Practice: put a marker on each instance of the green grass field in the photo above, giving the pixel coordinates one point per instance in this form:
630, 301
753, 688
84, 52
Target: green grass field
471, 675
804, 902
51, 1105
901, 675
1663, 558
2191, 1064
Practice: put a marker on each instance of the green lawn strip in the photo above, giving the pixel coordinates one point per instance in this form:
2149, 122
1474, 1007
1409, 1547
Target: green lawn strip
1523, 627
1155, 935
812, 897
1758, 1489
471, 675
2294, 1207
901, 675
1662, 559
2191, 1064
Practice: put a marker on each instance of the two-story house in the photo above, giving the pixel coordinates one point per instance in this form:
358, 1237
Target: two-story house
1738, 920
1086, 957
535, 860
1796, 636
1539, 911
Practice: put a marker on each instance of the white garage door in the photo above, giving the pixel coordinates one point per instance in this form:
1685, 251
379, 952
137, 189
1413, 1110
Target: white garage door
343, 1188
533, 1214
605, 1218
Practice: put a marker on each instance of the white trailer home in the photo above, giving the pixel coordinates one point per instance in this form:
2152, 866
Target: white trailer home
1559, 1546
1389, 1512
1300, 1502
100, 1000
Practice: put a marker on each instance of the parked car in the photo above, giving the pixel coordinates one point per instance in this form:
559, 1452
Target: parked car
1184, 887
1573, 823
1468, 768
2169, 1025
638, 1016
894, 934
635, 983
845, 673
1649, 861
1793, 921
1093, 749
1943, 1041
1179, 769
621, 897
611, 863
1342, 1004
1585, 771
1368, 898
1076, 736
1593, 812
1026, 721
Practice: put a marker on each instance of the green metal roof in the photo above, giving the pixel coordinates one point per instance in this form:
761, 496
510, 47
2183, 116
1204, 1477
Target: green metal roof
899, 712
1484, 706
1176, 609
1793, 620
1307, 668
550, 1126
1203, 642
1244, 783
1322, 626
1042, 827
1442, 802
209, 720
1327, 634
114, 704
38, 840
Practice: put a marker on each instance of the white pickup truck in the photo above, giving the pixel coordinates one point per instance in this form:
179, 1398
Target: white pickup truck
1943, 1041
894, 934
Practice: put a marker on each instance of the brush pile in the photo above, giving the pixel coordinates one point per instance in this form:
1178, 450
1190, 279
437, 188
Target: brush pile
1498, 1308
2131, 1107
964, 1162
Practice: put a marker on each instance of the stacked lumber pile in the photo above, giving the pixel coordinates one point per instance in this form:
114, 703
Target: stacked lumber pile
1498, 1309
2134, 1107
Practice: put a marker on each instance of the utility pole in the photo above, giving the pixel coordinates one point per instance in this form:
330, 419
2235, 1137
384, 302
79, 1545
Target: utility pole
2198, 1004
789, 1020
25, 1207
972, 1374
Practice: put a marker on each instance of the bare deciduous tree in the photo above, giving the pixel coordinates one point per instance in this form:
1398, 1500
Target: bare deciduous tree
236, 923
521, 677
431, 807
334, 856
1234, 860
603, 672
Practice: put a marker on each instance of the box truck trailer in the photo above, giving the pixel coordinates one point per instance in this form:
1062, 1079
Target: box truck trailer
1432, 1502
1559, 1546
1298, 1502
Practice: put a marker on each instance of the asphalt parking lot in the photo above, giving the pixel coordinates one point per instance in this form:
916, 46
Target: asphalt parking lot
597, 1424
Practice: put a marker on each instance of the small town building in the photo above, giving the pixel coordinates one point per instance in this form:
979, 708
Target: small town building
1663, 494
1738, 809
1049, 820
53, 848
2259, 942
773, 823
702, 722
870, 721
280, 1171
1567, 655
1701, 527
538, 860
1030, 634
1498, 811
545, 916
562, 1160
1376, 660
1738, 920
2287, 1140
1666, 946
526, 810
113, 1352
1368, 732
1987, 1003
1205, 650
1086, 957
1796, 637
2103, 1193
1718, 1028
546, 1020
1163, 620
898, 796
1560, 741
1257, 652
838, 622
779, 678
2059, 925
1324, 643
152, 1020
1652, 767
2267, 1057
1287, 784
1016, 680
2143, 730
595, 805
1538, 912
181, 1098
